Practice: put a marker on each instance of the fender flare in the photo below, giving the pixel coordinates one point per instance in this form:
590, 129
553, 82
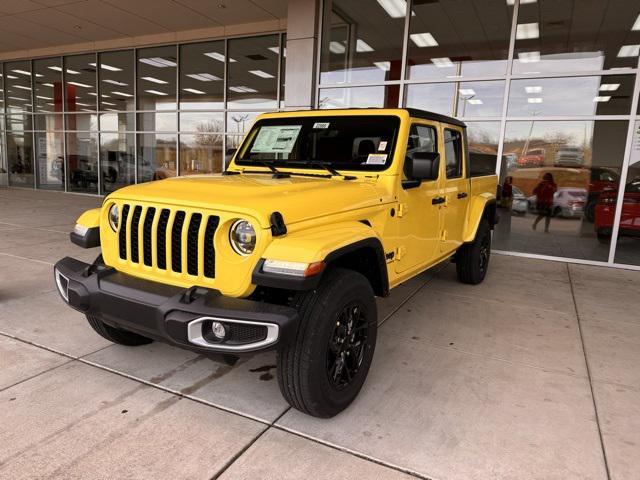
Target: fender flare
482, 206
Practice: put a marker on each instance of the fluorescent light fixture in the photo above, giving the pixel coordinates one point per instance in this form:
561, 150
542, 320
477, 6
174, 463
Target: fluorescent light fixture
204, 77
158, 62
261, 74
442, 62
94, 94
12, 77
59, 69
522, 2
108, 103
86, 110
242, 89
18, 98
467, 91
423, 39
154, 80
534, 100
275, 50
84, 104
386, 66
156, 92
525, 31
602, 99
78, 84
394, 8
529, 57
122, 94
23, 72
22, 87
47, 84
533, 89
105, 96
336, 47
475, 101
609, 87
218, 56
625, 51
636, 25
115, 82
107, 67
362, 46
193, 90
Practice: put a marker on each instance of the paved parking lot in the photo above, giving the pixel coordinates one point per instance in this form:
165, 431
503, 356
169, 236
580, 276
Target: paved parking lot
533, 374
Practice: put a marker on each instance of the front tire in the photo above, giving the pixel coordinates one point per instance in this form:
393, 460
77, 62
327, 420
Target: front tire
321, 372
472, 259
115, 335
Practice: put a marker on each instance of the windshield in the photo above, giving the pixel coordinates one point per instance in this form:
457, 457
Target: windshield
341, 142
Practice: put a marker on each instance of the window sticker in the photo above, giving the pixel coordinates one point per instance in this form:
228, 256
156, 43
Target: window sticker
376, 159
276, 139
318, 125
382, 146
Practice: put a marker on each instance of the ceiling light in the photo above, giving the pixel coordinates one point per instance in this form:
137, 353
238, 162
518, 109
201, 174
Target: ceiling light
108, 103
105, 96
193, 90
78, 84
533, 89
529, 57
86, 110
386, 66
534, 100
122, 94
625, 51
467, 91
275, 50
261, 74
156, 92
73, 72
59, 69
475, 101
84, 104
362, 46
423, 39
336, 47
93, 94
218, 56
394, 8
23, 72
609, 87
154, 80
158, 62
442, 62
526, 31
522, 2
12, 77
47, 84
203, 77
115, 82
602, 99
636, 25
242, 89
107, 67
22, 87
18, 98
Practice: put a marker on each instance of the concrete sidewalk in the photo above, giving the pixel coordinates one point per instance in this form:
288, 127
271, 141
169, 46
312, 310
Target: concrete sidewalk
533, 374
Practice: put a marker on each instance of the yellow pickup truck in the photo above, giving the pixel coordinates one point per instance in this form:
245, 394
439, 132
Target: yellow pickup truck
317, 214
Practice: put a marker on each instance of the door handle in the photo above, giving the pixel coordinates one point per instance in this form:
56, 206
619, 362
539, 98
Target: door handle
438, 200
462, 195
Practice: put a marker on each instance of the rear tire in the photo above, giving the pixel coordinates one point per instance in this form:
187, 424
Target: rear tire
322, 370
472, 259
115, 335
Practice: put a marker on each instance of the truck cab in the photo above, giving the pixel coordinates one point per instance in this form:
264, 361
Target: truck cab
317, 214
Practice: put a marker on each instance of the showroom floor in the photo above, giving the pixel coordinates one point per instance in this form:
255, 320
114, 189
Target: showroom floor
533, 374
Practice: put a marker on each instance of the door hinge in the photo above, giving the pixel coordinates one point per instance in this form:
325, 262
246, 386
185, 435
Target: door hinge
402, 209
400, 252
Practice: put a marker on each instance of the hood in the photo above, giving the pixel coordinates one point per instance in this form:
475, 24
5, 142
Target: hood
296, 198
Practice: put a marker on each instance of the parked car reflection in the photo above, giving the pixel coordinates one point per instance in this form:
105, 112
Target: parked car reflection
630, 217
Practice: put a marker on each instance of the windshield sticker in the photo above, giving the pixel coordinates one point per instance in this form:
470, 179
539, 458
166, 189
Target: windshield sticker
321, 125
382, 146
276, 139
376, 159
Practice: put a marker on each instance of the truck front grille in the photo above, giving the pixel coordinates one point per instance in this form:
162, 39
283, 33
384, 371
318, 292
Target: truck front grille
169, 240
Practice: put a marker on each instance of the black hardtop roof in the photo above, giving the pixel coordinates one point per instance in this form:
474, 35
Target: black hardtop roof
414, 112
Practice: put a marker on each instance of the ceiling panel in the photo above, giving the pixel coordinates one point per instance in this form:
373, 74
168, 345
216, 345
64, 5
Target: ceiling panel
9, 7
167, 13
229, 13
65, 23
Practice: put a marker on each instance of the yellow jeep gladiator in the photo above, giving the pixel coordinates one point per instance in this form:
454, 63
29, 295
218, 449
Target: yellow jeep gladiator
317, 214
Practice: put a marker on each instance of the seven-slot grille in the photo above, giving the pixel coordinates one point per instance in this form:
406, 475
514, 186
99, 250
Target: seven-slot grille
177, 239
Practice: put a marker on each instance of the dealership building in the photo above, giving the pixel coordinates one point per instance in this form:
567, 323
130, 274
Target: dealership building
97, 95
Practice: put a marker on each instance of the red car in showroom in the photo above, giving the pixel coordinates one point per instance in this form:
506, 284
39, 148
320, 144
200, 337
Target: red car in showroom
630, 217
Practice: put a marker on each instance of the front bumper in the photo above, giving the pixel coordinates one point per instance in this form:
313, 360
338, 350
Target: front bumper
178, 316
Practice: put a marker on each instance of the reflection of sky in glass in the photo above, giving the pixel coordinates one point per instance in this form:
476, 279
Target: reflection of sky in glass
560, 96
352, 97
434, 97
560, 62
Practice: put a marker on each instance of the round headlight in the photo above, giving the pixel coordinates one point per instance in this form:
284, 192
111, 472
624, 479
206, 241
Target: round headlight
114, 217
242, 237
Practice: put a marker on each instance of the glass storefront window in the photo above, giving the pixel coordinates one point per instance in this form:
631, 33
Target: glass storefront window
233, 143
378, 96
48, 122
158, 122
81, 121
461, 99
156, 156
47, 84
20, 158
362, 41
466, 38
50, 160
202, 122
556, 173
156, 82
202, 76
201, 153
117, 122
82, 162
117, 160
597, 95
80, 83
240, 122
253, 73
19, 123
576, 35
17, 86
483, 138
116, 80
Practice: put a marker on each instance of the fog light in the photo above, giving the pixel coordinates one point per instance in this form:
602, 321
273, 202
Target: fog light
218, 330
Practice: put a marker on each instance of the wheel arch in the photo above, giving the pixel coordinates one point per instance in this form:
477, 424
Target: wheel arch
482, 207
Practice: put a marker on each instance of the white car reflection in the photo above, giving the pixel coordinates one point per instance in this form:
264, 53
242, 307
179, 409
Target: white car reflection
568, 202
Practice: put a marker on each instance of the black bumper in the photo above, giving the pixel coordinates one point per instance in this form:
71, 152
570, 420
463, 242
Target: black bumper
171, 314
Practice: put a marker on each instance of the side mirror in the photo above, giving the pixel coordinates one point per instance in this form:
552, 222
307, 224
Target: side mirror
422, 166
